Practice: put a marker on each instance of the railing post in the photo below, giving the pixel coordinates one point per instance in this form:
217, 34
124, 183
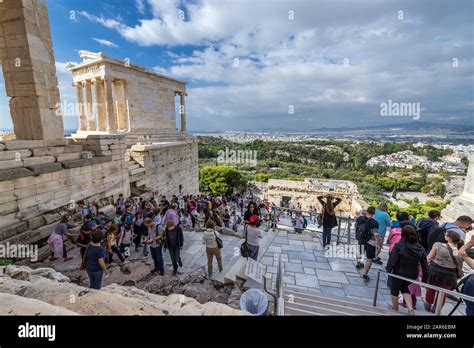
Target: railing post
439, 303
349, 231
338, 231
377, 282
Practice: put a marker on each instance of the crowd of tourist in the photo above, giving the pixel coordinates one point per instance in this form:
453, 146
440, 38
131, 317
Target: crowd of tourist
422, 250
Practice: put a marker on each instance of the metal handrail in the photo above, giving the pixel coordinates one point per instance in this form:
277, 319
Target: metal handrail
279, 303
347, 219
439, 303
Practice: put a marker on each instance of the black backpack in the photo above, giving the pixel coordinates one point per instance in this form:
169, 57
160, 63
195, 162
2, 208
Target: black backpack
363, 231
436, 235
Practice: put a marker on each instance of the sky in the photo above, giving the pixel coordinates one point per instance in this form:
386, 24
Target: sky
277, 64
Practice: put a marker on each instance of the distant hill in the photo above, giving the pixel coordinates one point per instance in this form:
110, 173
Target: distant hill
409, 126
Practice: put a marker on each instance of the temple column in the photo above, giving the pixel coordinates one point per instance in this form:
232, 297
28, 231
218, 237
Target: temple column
119, 94
89, 107
182, 111
109, 105
100, 105
80, 103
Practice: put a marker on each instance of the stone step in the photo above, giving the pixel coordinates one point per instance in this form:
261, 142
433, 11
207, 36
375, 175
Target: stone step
133, 166
238, 267
319, 301
137, 171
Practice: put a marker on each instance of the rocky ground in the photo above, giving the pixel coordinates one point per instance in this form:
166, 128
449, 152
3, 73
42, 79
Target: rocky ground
44, 291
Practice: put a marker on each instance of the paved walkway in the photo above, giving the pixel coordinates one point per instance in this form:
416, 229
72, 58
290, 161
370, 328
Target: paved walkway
306, 266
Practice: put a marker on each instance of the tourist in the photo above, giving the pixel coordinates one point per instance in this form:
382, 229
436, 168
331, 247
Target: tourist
84, 211
329, 219
251, 211
299, 222
84, 238
112, 244
125, 240
137, 230
209, 238
236, 220
192, 206
405, 260
383, 219
445, 267
395, 233
368, 238
461, 226
253, 234
171, 215
155, 240
57, 238
120, 205
426, 225
95, 266
468, 282
226, 218
174, 242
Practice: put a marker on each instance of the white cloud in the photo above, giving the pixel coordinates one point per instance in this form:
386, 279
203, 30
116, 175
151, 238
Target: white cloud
141, 6
105, 42
299, 62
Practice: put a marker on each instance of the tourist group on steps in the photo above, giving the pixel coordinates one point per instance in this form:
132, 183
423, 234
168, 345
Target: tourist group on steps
419, 250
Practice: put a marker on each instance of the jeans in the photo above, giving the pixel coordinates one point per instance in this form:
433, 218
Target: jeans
211, 252
95, 279
327, 235
175, 257
157, 256
253, 251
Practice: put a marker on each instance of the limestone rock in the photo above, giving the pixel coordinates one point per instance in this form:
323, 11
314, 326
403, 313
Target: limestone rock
234, 298
50, 273
18, 272
17, 305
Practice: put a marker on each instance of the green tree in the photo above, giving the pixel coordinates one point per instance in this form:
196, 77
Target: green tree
220, 180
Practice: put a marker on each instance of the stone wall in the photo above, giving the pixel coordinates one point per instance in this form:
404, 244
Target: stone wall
170, 167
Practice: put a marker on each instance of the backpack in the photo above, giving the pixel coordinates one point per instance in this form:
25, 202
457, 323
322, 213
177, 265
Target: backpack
436, 235
422, 234
363, 231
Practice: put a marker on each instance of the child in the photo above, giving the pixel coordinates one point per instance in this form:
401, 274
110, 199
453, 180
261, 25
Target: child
84, 239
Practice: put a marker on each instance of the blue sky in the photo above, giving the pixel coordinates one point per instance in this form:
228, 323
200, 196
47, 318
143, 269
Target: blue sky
248, 63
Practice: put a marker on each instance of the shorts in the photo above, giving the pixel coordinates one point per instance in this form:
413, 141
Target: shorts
399, 285
369, 251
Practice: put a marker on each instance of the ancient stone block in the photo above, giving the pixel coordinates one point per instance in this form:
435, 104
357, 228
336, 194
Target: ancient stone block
16, 173
9, 207
23, 144
46, 168
73, 163
72, 148
68, 156
11, 155
35, 222
34, 161
12, 230
48, 151
10, 164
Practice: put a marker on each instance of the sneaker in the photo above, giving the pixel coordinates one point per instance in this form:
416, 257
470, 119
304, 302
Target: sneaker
366, 278
378, 261
175, 272
154, 270
359, 265
180, 263
53, 258
68, 258
411, 312
433, 309
161, 273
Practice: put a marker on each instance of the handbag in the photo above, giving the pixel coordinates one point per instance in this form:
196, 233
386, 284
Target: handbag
459, 271
84, 260
244, 248
218, 241
321, 216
